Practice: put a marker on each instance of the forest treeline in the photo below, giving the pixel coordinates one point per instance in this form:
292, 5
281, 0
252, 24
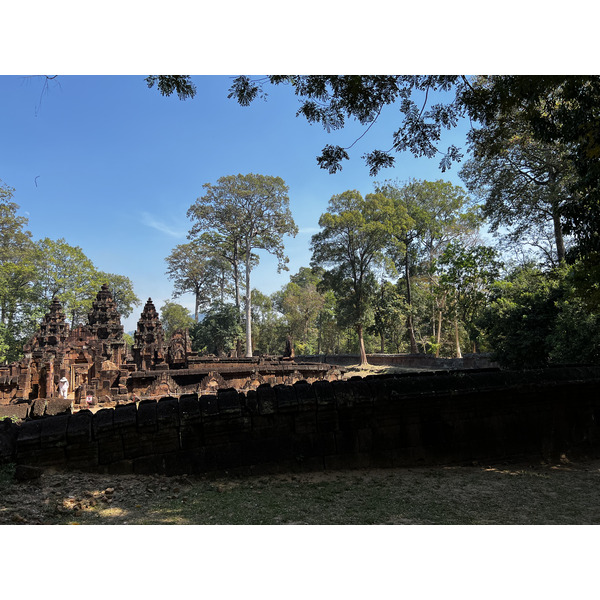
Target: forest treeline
402, 269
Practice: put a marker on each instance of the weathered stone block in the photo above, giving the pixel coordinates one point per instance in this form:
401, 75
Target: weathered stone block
8, 441
306, 445
327, 417
189, 409
346, 442
220, 431
335, 462
324, 392
147, 416
54, 431
166, 439
266, 399
125, 417
102, 423
167, 412
343, 393
229, 402
361, 391
58, 406
82, 455
29, 436
38, 408
190, 436
79, 429
208, 404
274, 425
19, 411
305, 394
110, 449
28, 472
265, 450
305, 422
51, 456
137, 444
285, 398
252, 401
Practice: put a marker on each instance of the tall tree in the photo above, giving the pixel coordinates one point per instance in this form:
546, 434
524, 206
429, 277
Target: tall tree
524, 183
19, 306
250, 212
389, 309
353, 235
174, 316
437, 213
69, 275
301, 303
468, 275
194, 269
268, 325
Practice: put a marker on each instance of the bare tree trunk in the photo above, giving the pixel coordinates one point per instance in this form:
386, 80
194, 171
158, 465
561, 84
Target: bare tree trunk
409, 320
361, 344
248, 308
456, 338
438, 339
558, 235
382, 337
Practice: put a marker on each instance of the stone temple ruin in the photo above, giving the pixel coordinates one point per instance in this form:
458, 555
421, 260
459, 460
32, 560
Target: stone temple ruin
101, 368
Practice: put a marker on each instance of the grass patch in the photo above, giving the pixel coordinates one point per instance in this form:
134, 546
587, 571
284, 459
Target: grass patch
530, 494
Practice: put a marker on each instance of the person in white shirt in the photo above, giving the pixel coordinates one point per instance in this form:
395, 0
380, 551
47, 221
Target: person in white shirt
63, 387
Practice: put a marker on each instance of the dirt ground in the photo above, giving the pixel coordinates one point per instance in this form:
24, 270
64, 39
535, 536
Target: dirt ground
564, 493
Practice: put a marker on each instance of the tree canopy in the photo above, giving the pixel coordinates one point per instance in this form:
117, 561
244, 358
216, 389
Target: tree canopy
245, 213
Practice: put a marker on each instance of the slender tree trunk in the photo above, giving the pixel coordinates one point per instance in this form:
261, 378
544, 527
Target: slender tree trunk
248, 307
409, 320
558, 235
456, 338
236, 283
361, 345
197, 303
382, 337
438, 338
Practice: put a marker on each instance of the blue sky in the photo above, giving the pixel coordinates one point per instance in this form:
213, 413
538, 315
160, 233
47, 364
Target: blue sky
113, 166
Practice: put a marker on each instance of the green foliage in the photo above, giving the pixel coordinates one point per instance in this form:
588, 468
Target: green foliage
244, 213
19, 268
269, 329
218, 331
389, 312
331, 100
167, 84
354, 233
121, 289
199, 269
300, 303
536, 318
174, 316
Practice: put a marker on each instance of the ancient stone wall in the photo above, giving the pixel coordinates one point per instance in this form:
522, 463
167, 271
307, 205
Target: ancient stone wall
379, 421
